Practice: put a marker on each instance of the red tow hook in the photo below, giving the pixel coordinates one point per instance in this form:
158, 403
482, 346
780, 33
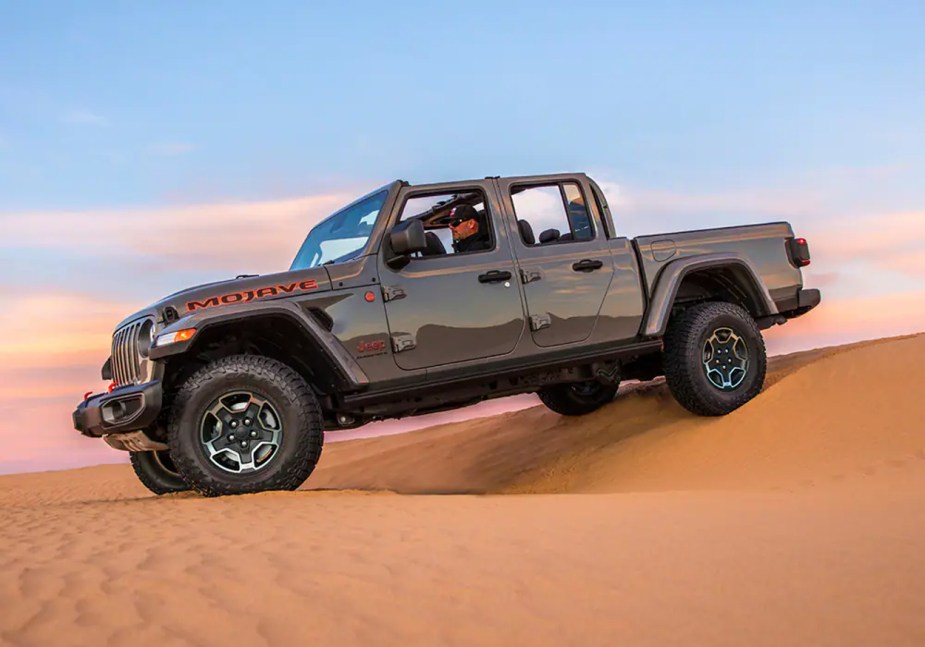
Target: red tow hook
112, 386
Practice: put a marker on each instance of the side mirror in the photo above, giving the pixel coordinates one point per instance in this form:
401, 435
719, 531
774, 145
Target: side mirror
408, 237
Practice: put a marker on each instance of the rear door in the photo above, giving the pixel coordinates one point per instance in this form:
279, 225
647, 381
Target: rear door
564, 258
446, 306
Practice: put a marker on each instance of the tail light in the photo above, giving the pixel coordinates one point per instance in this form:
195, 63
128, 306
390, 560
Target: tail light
798, 249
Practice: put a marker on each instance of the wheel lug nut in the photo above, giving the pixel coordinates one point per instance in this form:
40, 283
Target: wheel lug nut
231, 438
234, 423
247, 421
253, 434
243, 443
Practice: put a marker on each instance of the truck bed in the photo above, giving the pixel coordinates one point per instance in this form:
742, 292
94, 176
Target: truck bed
764, 246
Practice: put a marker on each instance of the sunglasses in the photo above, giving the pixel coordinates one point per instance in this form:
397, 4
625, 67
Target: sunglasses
456, 222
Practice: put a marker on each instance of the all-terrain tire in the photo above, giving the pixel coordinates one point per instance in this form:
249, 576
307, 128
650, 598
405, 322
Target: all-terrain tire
299, 414
688, 347
156, 472
577, 399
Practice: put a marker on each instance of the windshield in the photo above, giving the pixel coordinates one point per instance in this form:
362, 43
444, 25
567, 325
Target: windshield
339, 237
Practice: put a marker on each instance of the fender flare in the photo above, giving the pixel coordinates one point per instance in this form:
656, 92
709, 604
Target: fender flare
672, 275
345, 366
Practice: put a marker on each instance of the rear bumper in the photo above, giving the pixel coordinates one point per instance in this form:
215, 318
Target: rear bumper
799, 304
129, 408
806, 301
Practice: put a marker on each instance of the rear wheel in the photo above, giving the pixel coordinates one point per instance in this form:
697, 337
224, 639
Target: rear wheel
245, 424
714, 358
577, 399
157, 472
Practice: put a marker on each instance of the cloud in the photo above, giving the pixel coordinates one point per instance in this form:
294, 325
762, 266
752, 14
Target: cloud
758, 200
46, 325
171, 149
220, 238
890, 241
849, 319
84, 118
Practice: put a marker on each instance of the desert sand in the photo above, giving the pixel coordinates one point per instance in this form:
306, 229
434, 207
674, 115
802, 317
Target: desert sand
796, 520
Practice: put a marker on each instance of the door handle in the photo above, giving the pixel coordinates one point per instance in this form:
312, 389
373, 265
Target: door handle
587, 265
495, 276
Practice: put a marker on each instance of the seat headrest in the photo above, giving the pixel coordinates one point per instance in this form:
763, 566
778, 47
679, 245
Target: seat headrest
549, 236
434, 247
526, 232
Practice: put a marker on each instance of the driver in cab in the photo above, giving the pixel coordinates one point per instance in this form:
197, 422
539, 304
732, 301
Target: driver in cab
470, 232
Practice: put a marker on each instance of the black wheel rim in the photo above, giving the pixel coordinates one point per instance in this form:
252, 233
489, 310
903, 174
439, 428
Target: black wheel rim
241, 432
725, 359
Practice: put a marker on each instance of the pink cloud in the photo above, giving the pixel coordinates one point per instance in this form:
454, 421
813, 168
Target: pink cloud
874, 237
846, 320
892, 241
219, 237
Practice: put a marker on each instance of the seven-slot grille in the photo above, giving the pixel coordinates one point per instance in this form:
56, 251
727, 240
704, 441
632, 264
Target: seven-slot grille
126, 362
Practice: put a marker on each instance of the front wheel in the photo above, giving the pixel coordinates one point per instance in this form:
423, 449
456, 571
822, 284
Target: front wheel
714, 358
577, 399
245, 424
157, 472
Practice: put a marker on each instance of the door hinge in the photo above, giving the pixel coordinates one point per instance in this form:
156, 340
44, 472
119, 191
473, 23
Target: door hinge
538, 322
528, 276
402, 341
392, 293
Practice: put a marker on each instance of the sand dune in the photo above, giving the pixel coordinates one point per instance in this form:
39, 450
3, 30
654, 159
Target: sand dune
824, 415
799, 519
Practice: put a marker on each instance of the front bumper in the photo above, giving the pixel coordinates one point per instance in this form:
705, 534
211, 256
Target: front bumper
128, 408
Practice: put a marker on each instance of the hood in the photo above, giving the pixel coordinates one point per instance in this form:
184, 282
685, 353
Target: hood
237, 291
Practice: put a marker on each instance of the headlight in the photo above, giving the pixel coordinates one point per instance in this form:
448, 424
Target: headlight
145, 338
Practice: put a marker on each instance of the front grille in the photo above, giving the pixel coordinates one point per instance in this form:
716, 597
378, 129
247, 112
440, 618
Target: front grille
126, 362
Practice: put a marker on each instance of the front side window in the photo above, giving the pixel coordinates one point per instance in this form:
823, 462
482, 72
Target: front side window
554, 213
455, 223
342, 236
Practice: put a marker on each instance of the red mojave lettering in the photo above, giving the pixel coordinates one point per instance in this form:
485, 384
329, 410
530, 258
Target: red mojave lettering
250, 295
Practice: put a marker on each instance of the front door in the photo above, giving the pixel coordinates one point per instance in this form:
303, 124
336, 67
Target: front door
460, 299
565, 261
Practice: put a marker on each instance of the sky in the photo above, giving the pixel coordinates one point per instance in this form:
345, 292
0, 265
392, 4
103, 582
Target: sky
146, 147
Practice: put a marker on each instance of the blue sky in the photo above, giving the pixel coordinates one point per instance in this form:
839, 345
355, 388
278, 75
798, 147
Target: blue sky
146, 147
114, 104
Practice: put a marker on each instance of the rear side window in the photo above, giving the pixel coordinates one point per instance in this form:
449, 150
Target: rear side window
553, 213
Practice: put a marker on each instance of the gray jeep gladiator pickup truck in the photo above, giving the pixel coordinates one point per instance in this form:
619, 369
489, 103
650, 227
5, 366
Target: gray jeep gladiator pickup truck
415, 299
